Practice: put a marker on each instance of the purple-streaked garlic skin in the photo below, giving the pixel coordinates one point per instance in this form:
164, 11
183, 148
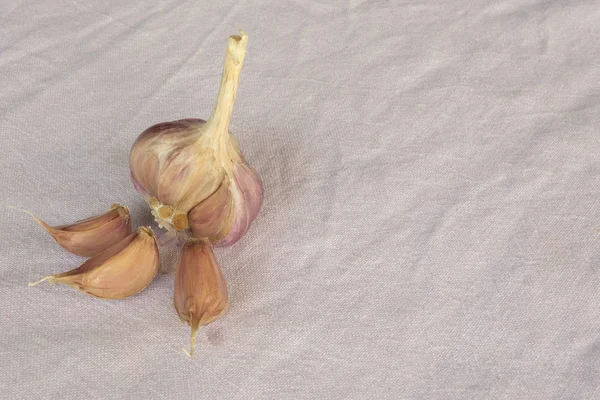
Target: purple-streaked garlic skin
186, 179
211, 218
167, 163
247, 196
138, 187
251, 186
192, 173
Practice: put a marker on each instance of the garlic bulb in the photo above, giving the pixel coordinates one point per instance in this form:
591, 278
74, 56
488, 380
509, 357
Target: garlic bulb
192, 173
89, 237
200, 289
120, 271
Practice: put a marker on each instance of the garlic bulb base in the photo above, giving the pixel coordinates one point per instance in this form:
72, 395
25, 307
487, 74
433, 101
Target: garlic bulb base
166, 217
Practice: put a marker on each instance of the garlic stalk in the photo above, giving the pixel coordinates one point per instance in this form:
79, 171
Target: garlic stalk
192, 173
120, 271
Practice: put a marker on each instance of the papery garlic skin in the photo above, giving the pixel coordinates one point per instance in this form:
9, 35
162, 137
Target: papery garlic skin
170, 166
120, 271
200, 295
192, 173
93, 235
247, 196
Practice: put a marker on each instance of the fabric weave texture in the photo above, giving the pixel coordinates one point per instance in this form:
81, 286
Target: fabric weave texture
431, 220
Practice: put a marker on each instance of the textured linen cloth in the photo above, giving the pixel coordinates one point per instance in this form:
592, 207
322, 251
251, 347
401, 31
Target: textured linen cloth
431, 222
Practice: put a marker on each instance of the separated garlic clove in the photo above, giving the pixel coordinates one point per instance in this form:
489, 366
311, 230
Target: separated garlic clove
120, 271
89, 237
192, 173
200, 289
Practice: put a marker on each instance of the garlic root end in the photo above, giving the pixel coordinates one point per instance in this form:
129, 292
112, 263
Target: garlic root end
195, 326
46, 278
39, 221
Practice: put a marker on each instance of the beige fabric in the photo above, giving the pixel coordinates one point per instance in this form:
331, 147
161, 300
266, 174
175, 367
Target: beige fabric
431, 220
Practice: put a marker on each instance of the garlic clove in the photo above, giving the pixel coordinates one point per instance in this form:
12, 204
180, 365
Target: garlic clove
212, 217
89, 237
120, 271
247, 193
200, 295
251, 186
193, 175
227, 214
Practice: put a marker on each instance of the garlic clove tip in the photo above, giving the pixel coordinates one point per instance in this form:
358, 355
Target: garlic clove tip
49, 278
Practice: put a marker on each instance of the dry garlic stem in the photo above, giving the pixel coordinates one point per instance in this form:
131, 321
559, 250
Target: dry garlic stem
200, 289
89, 237
120, 271
192, 173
